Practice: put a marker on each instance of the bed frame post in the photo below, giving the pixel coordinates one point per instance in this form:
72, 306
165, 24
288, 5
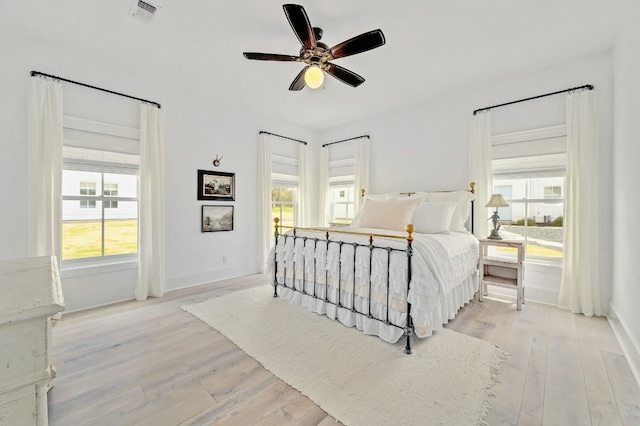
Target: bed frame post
408, 330
275, 258
473, 206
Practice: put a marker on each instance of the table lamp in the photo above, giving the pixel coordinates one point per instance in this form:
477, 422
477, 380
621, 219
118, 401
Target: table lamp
496, 201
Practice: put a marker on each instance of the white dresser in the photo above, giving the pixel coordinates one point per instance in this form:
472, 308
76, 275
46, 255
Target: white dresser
30, 294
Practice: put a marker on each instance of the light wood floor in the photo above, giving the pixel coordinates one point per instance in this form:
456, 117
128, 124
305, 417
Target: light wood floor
150, 363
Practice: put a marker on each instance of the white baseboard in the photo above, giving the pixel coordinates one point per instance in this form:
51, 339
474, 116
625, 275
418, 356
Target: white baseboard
185, 281
86, 308
629, 344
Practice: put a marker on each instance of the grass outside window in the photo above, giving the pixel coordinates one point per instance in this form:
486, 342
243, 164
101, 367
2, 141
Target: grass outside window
83, 239
533, 250
286, 214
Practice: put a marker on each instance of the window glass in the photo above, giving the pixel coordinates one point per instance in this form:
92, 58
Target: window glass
342, 165
99, 214
532, 216
341, 202
283, 205
81, 230
110, 189
121, 228
87, 204
552, 192
88, 188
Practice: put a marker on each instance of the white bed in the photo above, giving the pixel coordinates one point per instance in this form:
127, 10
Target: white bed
443, 278
441, 264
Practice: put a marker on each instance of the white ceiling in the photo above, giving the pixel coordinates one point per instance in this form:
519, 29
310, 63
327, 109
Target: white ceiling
432, 45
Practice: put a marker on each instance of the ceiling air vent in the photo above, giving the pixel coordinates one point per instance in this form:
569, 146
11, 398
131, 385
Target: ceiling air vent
143, 11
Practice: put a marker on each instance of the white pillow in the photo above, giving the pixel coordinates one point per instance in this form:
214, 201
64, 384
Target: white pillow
462, 209
433, 217
393, 215
378, 197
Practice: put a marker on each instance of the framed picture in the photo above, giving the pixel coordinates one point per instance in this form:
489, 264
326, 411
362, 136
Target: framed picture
217, 218
216, 185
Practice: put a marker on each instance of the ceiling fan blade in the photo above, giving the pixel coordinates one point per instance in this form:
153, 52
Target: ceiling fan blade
298, 82
358, 44
270, 57
301, 25
344, 75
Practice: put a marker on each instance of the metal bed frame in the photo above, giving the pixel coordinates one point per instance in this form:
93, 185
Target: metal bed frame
408, 328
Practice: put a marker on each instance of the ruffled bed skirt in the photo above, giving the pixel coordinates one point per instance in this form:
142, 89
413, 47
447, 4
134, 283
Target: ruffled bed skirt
428, 313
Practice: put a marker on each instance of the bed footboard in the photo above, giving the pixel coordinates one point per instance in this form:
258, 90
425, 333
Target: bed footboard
345, 293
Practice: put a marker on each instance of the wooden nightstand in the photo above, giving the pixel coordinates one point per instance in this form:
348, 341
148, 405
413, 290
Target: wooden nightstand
502, 272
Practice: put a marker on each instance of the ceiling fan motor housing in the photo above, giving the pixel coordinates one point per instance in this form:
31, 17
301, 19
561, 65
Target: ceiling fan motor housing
317, 31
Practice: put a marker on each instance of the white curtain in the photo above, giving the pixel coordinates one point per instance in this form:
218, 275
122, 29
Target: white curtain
151, 272
580, 285
304, 196
265, 226
480, 169
45, 167
361, 178
323, 195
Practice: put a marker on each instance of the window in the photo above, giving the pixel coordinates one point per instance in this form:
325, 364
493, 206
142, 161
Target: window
529, 170
341, 190
283, 204
99, 194
110, 190
87, 188
341, 199
552, 192
284, 186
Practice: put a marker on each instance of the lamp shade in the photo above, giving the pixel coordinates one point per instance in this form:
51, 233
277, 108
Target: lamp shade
313, 77
497, 201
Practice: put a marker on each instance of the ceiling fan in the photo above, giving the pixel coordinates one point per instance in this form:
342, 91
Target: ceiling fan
316, 55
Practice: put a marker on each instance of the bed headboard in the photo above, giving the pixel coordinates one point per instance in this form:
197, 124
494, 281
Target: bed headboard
472, 189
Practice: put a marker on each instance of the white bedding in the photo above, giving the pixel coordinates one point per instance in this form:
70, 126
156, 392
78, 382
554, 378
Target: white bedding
442, 281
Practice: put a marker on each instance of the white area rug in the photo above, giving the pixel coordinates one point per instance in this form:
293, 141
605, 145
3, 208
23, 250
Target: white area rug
359, 379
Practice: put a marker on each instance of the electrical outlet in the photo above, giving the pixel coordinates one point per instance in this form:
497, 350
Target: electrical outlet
224, 259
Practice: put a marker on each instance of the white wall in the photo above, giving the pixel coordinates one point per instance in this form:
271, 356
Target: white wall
428, 143
197, 128
425, 147
626, 195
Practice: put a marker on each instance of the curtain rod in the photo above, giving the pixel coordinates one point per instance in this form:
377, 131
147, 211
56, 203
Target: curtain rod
36, 73
280, 136
586, 86
346, 140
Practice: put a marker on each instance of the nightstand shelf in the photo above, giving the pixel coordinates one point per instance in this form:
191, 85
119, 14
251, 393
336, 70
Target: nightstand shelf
501, 272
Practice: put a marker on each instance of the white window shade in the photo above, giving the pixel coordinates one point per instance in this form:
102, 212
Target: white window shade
537, 153
90, 160
284, 180
341, 180
99, 141
539, 166
94, 146
342, 159
342, 167
549, 140
283, 165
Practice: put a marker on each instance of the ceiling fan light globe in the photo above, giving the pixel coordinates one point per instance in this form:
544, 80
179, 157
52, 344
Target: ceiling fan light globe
314, 77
